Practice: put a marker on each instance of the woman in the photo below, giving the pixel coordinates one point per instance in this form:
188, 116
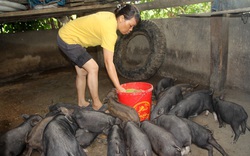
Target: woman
92, 30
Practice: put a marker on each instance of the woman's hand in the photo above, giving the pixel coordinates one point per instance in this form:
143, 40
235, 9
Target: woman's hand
121, 89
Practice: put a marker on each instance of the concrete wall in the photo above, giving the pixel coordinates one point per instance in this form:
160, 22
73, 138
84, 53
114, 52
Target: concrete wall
188, 52
23, 53
238, 73
32, 51
188, 49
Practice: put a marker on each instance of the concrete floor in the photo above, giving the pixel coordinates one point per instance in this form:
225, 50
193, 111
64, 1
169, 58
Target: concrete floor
36, 92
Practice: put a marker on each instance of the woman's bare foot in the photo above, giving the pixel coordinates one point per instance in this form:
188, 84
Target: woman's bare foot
97, 106
85, 103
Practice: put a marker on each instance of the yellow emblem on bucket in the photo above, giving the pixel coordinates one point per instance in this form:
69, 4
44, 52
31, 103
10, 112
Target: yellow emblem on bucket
143, 109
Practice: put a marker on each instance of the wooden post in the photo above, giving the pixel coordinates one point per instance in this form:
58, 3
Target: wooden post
219, 51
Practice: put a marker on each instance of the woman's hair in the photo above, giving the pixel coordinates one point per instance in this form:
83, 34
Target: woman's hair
128, 11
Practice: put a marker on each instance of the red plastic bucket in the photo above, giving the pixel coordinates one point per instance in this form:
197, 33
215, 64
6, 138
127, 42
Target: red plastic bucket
140, 99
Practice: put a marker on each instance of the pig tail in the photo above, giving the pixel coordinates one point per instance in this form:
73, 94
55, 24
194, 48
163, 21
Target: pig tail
128, 11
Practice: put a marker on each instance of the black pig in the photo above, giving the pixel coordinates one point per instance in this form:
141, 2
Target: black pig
203, 138
162, 85
94, 121
163, 142
116, 143
194, 104
84, 137
232, 114
136, 140
168, 99
34, 138
55, 108
13, 141
178, 128
59, 137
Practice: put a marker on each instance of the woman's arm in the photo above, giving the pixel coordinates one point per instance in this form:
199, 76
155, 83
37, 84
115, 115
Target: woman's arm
109, 64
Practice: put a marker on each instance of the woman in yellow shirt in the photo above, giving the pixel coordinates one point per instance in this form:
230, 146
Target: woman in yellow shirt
92, 30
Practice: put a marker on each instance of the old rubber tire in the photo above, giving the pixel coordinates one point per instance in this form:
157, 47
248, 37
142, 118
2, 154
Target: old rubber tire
135, 61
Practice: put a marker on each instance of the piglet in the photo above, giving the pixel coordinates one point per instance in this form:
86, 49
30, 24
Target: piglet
122, 111
168, 99
136, 140
162, 85
94, 121
178, 128
12, 143
34, 139
59, 136
119, 110
194, 104
162, 141
203, 138
84, 137
55, 108
116, 143
232, 114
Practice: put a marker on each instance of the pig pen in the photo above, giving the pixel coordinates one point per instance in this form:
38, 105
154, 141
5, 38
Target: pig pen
36, 92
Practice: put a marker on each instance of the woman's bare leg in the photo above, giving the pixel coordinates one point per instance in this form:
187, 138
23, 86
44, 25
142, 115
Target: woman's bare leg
81, 79
89, 72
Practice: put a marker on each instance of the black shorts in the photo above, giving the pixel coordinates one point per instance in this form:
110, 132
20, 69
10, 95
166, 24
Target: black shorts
75, 52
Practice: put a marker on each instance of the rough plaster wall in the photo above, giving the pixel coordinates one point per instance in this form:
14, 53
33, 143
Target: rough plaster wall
22, 53
188, 49
238, 73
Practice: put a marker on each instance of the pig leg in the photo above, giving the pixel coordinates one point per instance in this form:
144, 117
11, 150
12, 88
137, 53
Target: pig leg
209, 148
235, 126
215, 116
243, 127
27, 151
185, 150
214, 143
221, 124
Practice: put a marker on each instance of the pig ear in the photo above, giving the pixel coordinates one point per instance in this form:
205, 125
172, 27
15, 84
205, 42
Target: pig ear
64, 110
25, 116
123, 124
212, 91
118, 121
106, 130
67, 112
71, 111
34, 122
177, 148
161, 111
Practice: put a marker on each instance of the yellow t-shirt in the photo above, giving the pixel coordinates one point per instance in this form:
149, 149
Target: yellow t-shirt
91, 30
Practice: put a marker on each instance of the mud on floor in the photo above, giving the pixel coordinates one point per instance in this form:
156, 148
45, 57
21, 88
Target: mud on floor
36, 93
